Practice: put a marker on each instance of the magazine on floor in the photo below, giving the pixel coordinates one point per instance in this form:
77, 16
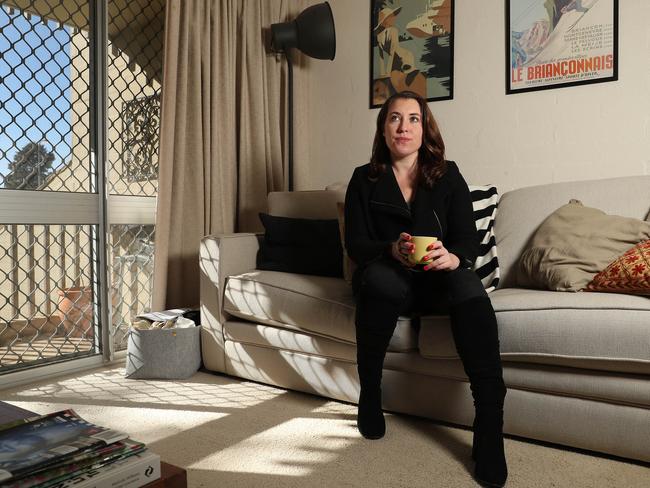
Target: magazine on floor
45, 440
132, 472
76, 465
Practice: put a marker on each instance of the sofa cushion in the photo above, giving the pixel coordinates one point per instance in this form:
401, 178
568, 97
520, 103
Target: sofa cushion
291, 340
296, 245
316, 304
485, 199
573, 244
613, 387
602, 331
629, 273
310, 204
522, 211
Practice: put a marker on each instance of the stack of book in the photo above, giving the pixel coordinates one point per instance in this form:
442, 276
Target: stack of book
62, 450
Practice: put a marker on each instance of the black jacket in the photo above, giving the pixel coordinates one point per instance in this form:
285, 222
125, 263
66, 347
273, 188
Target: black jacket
376, 213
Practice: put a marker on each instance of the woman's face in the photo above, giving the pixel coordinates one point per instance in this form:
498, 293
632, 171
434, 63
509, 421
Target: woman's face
403, 128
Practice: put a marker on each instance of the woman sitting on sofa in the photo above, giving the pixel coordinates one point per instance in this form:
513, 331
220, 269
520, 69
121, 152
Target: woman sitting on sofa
408, 189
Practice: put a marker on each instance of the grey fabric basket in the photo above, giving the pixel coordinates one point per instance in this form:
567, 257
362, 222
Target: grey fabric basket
163, 353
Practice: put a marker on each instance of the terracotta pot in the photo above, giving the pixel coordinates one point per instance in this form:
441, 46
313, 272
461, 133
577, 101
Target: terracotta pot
76, 311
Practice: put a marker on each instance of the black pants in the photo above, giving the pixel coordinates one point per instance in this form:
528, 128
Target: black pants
385, 289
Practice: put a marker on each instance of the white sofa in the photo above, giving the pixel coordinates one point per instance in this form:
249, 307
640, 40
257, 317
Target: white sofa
577, 365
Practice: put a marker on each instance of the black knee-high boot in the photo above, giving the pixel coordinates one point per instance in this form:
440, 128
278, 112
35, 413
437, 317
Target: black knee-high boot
382, 291
371, 350
475, 332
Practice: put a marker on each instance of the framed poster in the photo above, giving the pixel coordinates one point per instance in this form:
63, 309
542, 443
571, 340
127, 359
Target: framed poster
411, 48
557, 43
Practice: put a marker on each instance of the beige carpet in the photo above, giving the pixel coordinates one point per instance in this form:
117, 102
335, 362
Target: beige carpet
232, 433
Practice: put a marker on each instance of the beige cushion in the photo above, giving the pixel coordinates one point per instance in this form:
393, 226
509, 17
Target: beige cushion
317, 304
603, 331
559, 380
522, 211
435, 340
312, 204
290, 340
587, 384
573, 244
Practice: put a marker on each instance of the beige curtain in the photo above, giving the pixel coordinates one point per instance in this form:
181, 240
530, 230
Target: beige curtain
223, 127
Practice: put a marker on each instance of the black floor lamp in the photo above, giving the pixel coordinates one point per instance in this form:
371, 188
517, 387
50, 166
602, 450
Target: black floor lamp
312, 32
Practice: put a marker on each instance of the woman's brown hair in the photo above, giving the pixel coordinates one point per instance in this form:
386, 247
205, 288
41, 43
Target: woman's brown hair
431, 155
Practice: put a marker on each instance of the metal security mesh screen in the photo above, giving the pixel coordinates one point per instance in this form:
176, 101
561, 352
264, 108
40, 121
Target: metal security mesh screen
136, 33
49, 275
132, 273
134, 81
48, 289
44, 96
46, 292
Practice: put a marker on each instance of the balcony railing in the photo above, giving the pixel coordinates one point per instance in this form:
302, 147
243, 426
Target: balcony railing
45, 292
48, 305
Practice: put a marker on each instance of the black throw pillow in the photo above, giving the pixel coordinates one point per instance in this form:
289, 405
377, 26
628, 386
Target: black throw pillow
304, 246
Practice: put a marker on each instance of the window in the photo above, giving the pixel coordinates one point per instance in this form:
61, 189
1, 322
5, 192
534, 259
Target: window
51, 166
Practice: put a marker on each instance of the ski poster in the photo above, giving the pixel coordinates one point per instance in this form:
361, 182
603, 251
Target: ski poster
554, 43
411, 45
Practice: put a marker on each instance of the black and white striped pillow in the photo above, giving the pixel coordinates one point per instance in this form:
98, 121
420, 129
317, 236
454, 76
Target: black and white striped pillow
485, 200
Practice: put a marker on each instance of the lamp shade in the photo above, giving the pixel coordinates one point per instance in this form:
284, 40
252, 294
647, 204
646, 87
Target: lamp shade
312, 32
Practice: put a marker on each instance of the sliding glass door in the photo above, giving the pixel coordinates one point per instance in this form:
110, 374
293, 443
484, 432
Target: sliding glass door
79, 121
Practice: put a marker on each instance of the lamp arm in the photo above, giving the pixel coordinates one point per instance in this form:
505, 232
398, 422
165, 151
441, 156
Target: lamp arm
290, 120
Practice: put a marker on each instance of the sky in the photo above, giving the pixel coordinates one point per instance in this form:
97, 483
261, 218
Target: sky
34, 86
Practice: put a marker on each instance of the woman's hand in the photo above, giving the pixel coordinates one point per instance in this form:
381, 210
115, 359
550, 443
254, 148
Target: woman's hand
401, 249
442, 259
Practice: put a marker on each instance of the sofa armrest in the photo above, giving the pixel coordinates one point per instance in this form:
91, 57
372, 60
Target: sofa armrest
221, 256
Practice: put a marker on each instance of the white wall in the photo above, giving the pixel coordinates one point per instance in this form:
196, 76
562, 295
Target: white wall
574, 133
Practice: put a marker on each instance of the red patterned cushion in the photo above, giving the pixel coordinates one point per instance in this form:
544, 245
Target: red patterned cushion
630, 273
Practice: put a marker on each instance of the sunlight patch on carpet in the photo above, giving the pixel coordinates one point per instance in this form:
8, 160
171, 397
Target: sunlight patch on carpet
294, 448
110, 385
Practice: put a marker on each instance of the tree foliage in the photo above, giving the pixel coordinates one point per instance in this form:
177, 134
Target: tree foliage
30, 168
